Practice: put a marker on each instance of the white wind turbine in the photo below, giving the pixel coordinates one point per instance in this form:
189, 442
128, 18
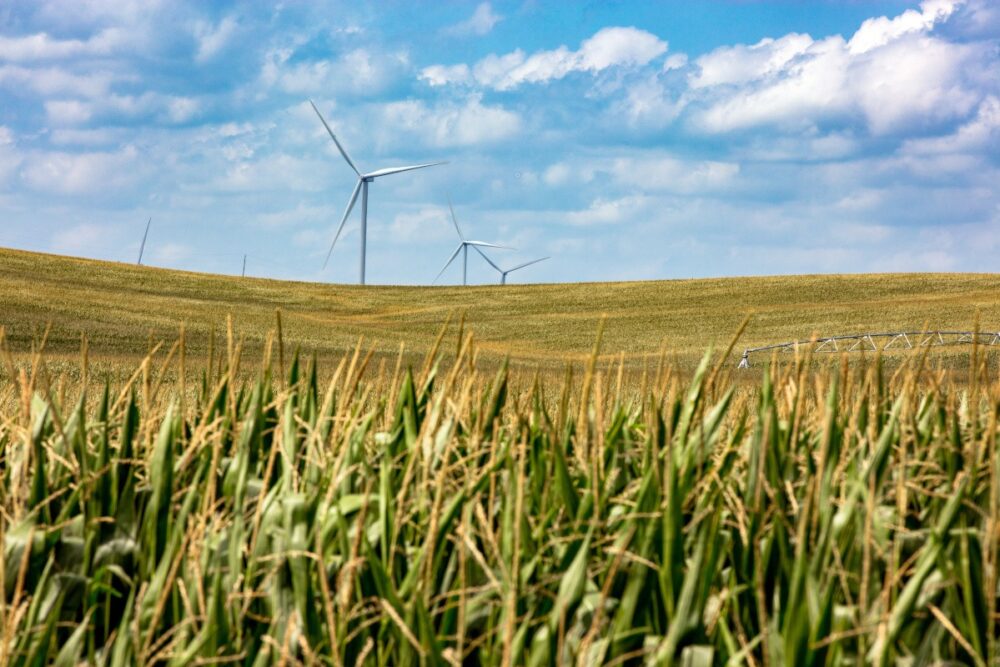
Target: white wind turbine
362, 188
503, 273
463, 247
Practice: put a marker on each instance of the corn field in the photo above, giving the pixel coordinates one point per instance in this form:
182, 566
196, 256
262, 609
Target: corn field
447, 515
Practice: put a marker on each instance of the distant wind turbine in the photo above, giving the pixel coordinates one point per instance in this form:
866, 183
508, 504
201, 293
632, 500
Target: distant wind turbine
362, 188
463, 247
503, 273
142, 246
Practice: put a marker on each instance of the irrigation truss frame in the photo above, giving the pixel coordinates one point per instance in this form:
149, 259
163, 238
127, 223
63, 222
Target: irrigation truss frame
866, 342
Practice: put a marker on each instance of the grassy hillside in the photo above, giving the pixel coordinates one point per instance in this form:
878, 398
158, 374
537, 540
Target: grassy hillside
121, 307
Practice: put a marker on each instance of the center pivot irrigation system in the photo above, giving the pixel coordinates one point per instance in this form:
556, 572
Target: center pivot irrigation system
866, 342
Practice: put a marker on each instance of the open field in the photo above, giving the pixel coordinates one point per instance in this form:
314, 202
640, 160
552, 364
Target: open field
452, 511
121, 308
826, 518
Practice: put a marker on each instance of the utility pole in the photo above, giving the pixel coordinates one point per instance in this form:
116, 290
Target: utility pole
244, 274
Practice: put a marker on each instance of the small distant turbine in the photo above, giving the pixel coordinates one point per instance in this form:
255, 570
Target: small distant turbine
142, 246
361, 187
463, 247
503, 273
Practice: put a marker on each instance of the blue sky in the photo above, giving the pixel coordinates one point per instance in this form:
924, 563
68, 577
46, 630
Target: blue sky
628, 140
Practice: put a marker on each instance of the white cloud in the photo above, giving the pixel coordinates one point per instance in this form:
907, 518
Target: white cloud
916, 79
68, 112
481, 22
212, 39
168, 109
427, 223
649, 102
97, 13
358, 71
467, 124
981, 134
181, 109
675, 61
84, 137
610, 211
440, 75
609, 47
41, 46
276, 172
893, 74
82, 173
557, 174
49, 81
670, 174
741, 64
876, 32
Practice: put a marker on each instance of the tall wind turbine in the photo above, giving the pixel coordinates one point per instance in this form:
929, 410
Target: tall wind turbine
362, 188
503, 273
463, 247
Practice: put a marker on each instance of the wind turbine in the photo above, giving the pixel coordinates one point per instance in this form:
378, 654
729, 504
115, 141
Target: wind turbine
142, 246
502, 272
362, 188
463, 247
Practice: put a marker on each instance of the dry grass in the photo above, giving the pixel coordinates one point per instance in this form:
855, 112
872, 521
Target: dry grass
121, 308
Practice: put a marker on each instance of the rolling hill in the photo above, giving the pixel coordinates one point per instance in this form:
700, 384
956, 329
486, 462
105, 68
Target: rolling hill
121, 308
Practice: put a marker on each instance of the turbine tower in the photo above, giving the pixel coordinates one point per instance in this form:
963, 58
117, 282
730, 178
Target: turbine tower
362, 189
463, 247
503, 273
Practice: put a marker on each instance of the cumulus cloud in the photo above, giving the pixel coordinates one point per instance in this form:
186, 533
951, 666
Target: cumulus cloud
481, 22
41, 46
876, 32
359, 71
741, 64
981, 134
423, 224
213, 38
671, 174
82, 173
648, 172
156, 107
469, 123
894, 74
609, 211
49, 81
609, 47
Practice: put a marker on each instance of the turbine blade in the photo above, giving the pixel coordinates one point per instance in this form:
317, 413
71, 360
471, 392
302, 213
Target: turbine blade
396, 170
335, 140
521, 266
450, 260
454, 220
350, 207
492, 263
489, 245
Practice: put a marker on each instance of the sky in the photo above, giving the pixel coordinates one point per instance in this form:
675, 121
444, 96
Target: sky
625, 140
